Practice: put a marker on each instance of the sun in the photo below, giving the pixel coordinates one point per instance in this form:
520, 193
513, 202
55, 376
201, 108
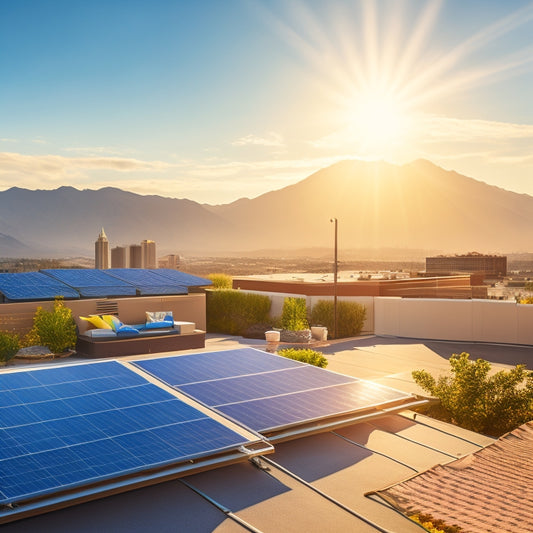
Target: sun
377, 121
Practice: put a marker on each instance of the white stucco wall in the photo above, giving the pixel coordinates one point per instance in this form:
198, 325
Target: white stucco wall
468, 320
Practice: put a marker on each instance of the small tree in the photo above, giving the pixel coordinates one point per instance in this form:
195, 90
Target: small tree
9, 346
294, 314
473, 399
54, 329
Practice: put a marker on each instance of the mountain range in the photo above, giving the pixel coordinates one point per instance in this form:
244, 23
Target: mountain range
378, 206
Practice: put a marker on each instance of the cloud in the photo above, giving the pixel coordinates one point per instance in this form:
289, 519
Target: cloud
471, 130
271, 139
59, 165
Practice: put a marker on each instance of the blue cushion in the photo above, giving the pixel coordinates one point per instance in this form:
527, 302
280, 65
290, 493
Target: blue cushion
160, 324
127, 330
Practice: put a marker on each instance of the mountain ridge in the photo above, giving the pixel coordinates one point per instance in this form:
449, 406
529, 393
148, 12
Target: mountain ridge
379, 205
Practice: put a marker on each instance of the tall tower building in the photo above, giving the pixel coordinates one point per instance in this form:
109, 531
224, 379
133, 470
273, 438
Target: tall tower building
101, 251
135, 256
119, 257
148, 254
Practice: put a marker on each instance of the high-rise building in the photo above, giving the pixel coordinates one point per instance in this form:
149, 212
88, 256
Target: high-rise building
101, 251
136, 260
170, 261
148, 254
119, 257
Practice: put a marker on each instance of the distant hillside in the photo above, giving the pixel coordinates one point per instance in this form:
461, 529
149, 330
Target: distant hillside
418, 206
10, 247
378, 205
66, 221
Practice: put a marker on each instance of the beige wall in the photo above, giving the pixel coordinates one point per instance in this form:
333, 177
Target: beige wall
468, 320
18, 317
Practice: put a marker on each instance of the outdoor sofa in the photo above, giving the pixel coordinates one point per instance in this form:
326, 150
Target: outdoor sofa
106, 336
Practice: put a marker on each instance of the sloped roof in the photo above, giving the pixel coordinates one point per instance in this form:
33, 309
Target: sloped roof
489, 490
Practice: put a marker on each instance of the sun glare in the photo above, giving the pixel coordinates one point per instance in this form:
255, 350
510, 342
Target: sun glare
378, 122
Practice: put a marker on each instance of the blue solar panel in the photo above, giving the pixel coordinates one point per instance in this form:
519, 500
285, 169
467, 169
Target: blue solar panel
92, 283
182, 278
34, 286
85, 277
65, 427
266, 392
151, 290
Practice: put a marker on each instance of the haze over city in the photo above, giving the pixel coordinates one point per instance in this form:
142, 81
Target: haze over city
213, 101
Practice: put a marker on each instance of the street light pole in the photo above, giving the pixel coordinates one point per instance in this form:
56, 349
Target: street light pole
335, 270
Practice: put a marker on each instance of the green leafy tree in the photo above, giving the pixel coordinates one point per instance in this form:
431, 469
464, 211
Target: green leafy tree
305, 355
9, 346
54, 329
294, 314
475, 399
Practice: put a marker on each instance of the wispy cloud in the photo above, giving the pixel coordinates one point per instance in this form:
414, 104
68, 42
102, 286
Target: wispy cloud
271, 139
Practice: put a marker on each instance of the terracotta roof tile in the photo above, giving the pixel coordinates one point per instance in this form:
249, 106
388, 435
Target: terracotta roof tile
490, 490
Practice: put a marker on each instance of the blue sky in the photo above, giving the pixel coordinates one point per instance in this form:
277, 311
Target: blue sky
214, 100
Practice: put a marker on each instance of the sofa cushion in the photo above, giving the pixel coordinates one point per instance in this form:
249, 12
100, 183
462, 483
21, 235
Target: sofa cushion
97, 321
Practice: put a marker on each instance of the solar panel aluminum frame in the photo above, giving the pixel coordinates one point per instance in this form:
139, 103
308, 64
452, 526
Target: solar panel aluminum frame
321, 424
324, 424
82, 492
56, 501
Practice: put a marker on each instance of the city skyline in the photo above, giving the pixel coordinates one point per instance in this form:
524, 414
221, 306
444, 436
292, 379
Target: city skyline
215, 101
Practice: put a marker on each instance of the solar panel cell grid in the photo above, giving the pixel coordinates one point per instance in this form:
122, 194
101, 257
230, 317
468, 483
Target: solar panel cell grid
267, 392
63, 427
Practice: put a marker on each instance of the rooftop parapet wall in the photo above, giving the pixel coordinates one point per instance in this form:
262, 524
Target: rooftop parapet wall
438, 287
18, 317
455, 320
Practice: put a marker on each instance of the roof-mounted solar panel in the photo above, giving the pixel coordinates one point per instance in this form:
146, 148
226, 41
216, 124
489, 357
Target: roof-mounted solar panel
84, 277
157, 290
275, 396
75, 432
28, 286
182, 278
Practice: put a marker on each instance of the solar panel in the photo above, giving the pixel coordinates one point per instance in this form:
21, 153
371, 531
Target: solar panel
182, 278
34, 286
66, 427
92, 283
149, 281
266, 392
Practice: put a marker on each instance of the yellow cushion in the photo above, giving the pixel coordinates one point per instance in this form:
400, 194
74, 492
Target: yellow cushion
96, 321
113, 321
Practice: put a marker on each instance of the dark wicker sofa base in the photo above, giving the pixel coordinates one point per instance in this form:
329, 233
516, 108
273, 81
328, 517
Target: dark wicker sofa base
142, 344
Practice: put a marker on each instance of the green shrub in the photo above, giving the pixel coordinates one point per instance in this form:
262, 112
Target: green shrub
221, 281
294, 314
351, 317
233, 312
54, 329
473, 399
305, 355
9, 346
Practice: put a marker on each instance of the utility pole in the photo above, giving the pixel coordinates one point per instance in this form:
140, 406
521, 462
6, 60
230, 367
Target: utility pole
335, 271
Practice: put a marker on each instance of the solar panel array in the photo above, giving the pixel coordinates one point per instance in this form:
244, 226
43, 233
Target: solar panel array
64, 427
266, 392
34, 286
148, 282
94, 283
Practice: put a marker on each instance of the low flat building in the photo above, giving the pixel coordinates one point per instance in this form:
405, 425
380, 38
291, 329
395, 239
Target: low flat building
489, 265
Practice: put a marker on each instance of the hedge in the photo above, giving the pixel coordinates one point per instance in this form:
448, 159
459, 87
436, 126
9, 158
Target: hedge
350, 317
232, 311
